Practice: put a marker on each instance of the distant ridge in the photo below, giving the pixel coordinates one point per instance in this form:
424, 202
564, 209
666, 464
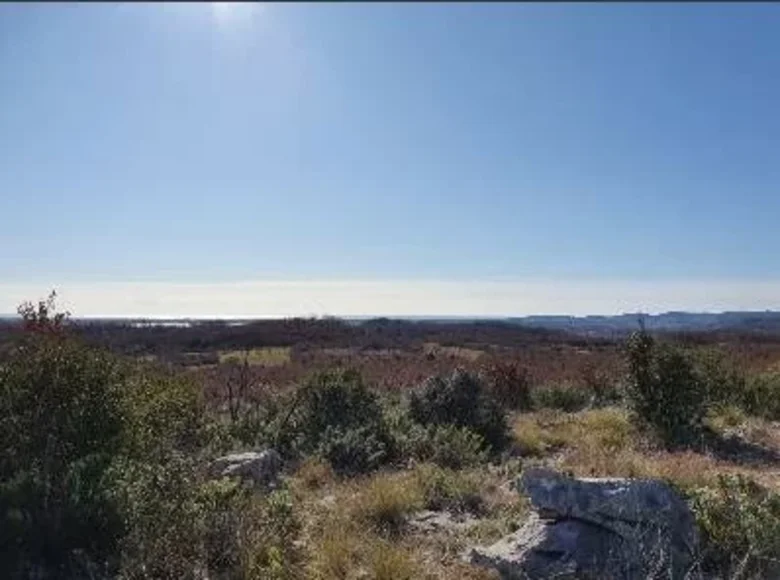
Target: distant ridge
763, 321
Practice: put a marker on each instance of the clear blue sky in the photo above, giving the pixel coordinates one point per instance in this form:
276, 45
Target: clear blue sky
193, 143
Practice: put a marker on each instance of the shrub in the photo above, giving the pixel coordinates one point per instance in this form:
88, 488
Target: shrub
740, 525
461, 399
510, 384
269, 539
761, 395
60, 427
162, 412
164, 524
563, 397
722, 417
722, 383
445, 445
338, 399
336, 416
664, 390
353, 449
449, 446
111, 487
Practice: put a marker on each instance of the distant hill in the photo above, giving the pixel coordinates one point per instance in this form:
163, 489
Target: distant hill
754, 322
766, 321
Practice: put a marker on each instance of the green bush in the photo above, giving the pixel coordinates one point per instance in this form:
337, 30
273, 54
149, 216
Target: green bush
61, 424
461, 400
564, 397
722, 383
338, 417
164, 524
269, 539
445, 489
356, 449
761, 396
181, 525
100, 474
664, 390
162, 412
446, 445
740, 529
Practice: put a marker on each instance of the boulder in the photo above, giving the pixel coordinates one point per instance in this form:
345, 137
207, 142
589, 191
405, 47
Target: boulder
597, 528
261, 468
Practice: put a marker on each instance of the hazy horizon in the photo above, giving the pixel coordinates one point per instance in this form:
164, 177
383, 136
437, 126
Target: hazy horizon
279, 299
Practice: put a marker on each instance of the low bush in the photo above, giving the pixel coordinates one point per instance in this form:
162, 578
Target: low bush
740, 528
564, 397
335, 415
461, 400
721, 382
761, 396
164, 522
443, 445
352, 450
721, 417
269, 539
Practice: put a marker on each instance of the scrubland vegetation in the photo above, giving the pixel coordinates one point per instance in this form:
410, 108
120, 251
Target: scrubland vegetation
103, 471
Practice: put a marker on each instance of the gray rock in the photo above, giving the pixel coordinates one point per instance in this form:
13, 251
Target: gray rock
597, 528
261, 468
429, 521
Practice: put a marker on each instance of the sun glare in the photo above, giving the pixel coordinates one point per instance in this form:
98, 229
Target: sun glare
226, 12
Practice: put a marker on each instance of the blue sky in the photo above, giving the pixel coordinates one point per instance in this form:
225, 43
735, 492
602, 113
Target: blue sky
393, 144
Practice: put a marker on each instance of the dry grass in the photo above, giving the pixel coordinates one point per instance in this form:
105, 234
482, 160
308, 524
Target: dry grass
386, 500
315, 473
388, 561
453, 352
271, 356
334, 554
604, 443
356, 528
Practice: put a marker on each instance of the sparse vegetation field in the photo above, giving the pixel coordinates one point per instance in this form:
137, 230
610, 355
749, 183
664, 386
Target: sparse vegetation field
398, 453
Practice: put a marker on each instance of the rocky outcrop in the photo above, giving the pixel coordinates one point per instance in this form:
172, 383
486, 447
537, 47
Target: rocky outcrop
260, 468
597, 528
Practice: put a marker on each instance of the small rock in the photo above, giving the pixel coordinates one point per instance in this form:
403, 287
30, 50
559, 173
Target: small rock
260, 468
328, 501
428, 521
